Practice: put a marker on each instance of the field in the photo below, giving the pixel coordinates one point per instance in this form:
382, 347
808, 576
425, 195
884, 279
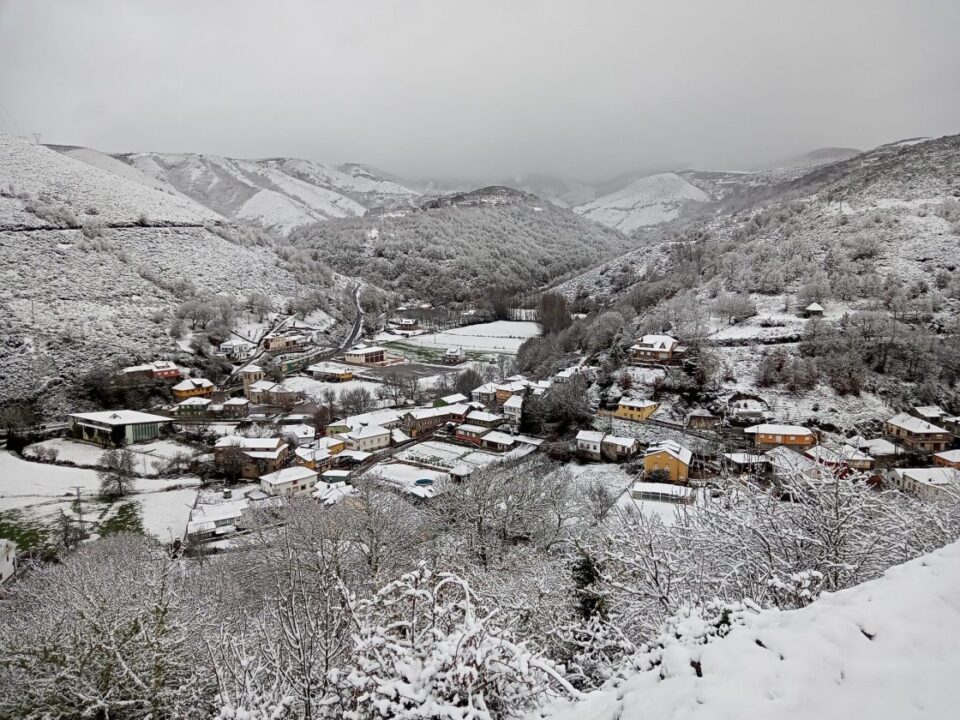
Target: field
502, 337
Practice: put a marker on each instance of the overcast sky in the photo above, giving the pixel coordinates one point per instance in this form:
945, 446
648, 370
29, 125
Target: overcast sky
484, 88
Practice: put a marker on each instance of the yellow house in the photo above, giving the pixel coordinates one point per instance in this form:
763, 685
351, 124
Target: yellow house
669, 457
636, 410
772, 435
193, 387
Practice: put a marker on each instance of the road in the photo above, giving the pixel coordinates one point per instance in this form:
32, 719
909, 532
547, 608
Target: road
357, 323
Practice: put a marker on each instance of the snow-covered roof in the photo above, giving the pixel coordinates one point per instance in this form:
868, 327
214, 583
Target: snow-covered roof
590, 436
429, 412
881, 447
789, 462
195, 402
476, 429
375, 417
193, 384
237, 401
935, 477
329, 368
915, 425
651, 488
513, 387
366, 431
302, 431
774, 429
950, 456
288, 475
454, 351
671, 448
366, 350
929, 412
740, 458
454, 399
636, 403
814, 307
656, 342
514, 402
252, 369
479, 416
248, 443
620, 441
312, 454
500, 438
485, 389
398, 436
120, 417
333, 492
264, 386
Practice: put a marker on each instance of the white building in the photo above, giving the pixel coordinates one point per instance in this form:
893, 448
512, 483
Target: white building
513, 409
937, 483
115, 427
296, 481
589, 442
367, 438
8, 559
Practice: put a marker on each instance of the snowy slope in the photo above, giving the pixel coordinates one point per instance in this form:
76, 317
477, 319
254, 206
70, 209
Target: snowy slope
117, 167
279, 193
650, 200
885, 650
65, 182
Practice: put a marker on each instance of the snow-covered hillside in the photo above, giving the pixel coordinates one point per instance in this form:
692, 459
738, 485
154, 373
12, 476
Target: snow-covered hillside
884, 650
651, 200
69, 192
279, 193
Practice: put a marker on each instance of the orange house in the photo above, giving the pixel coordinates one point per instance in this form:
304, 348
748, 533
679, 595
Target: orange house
772, 435
193, 387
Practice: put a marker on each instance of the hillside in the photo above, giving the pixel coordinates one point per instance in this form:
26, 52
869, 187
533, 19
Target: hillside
279, 193
83, 291
457, 246
650, 200
883, 650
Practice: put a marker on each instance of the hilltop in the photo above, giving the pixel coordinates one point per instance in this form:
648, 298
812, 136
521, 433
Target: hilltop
456, 246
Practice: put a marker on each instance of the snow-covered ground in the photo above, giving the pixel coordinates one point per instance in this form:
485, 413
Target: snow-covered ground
315, 388
885, 650
436, 453
501, 336
86, 454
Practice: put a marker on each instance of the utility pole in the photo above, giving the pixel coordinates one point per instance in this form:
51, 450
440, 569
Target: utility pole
36, 138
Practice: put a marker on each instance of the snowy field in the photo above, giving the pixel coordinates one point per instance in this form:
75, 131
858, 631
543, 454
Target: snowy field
86, 454
501, 336
315, 388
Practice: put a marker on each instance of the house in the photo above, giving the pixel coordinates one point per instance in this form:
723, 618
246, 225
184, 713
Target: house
115, 427
662, 492
635, 410
498, 441
951, 423
209, 521
471, 433
742, 462
405, 324
259, 391
618, 449
283, 394
918, 434
257, 456
589, 444
455, 399
486, 394
304, 434
701, 419
236, 407
570, 373
454, 356
947, 458
251, 374
789, 465
315, 458
156, 370
193, 407
459, 411
328, 372
367, 438
856, 459
388, 419
335, 476
745, 408
296, 481
285, 343
513, 410
193, 387
485, 419
772, 435
845, 459
656, 350
419, 421
936, 483
508, 390
670, 458
235, 349
930, 413
8, 559
366, 356
330, 493
814, 309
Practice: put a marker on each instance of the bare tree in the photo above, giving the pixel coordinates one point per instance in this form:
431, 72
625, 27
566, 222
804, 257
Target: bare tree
116, 473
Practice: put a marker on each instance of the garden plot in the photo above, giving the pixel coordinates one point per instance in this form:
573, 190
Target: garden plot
447, 455
502, 336
315, 388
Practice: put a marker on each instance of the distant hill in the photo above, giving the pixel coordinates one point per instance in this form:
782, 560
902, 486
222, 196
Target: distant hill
278, 193
455, 246
648, 201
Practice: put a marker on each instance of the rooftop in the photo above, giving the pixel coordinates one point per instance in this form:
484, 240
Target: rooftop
673, 449
120, 417
774, 429
915, 425
290, 474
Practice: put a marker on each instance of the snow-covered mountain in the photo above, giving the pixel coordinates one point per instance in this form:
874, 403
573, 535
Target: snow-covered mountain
648, 201
279, 193
93, 261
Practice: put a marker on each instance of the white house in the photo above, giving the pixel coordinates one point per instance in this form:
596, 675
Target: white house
589, 443
365, 355
8, 559
292, 481
367, 438
937, 483
513, 409
115, 427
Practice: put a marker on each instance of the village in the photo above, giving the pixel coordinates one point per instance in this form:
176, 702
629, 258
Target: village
277, 428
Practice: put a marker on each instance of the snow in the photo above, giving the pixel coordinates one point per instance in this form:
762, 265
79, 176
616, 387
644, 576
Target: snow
650, 200
884, 650
314, 388
502, 336
444, 455
165, 514
406, 476
27, 483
